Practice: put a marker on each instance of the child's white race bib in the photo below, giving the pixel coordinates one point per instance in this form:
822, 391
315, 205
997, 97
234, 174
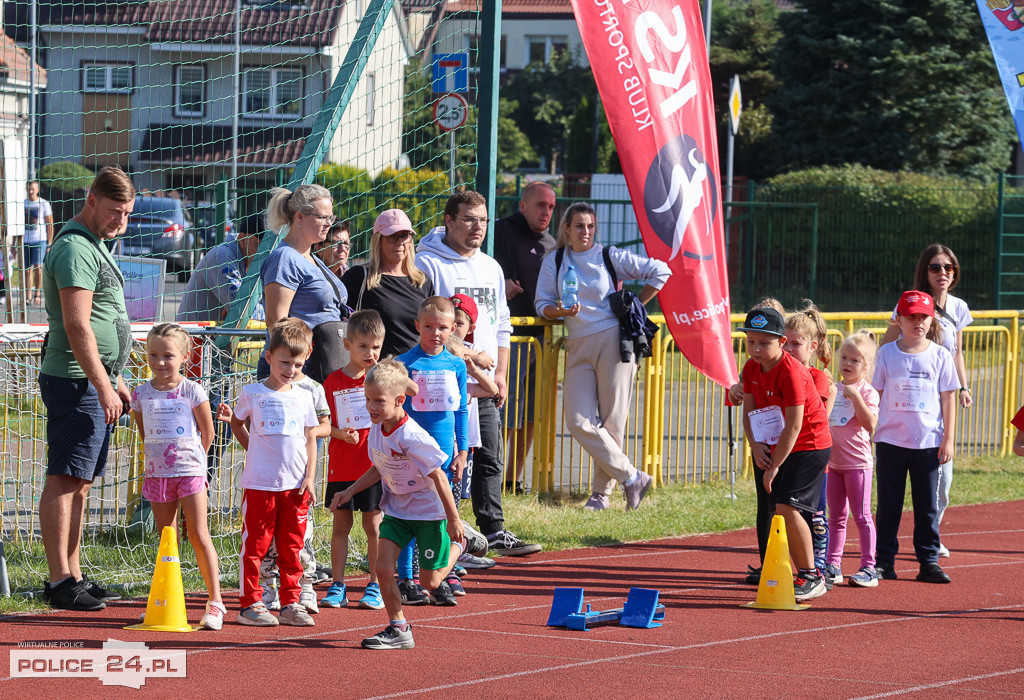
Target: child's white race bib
842, 410
398, 472
278, 415
350, 407
906, 394
168, 419
766, 424
438, 391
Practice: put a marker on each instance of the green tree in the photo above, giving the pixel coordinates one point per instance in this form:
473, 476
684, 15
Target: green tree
513, 146
744, 34
580, 156
547, 97
896, 86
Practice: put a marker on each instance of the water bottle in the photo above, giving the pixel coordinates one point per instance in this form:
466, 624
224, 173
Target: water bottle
570, 288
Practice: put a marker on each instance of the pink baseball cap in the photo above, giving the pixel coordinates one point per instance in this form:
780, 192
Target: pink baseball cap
391, 222
915, 302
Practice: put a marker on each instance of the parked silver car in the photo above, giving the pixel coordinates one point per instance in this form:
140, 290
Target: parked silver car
160, 227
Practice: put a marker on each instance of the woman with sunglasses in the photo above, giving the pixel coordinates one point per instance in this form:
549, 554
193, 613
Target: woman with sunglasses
296, 282
938, 273
335, 250
390, 283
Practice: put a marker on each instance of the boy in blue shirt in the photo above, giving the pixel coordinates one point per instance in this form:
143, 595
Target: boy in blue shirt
441, 408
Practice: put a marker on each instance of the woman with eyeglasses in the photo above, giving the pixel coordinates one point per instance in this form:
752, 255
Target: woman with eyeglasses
335, 250
938, 273
295, 282
390, 283
597, 385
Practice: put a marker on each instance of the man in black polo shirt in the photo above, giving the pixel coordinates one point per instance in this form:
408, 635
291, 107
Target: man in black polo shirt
521, 241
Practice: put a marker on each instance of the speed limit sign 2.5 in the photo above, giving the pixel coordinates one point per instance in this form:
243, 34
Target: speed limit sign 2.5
450, 111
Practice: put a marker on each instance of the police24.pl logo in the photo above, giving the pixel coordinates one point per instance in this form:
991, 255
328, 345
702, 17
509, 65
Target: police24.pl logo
681, 199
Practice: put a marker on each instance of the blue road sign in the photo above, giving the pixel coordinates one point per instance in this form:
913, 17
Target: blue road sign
451, 72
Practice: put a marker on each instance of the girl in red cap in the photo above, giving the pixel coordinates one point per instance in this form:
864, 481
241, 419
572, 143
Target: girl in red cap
916, 383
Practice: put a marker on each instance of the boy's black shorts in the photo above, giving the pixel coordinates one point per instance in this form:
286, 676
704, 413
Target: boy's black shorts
366, 501
800, 478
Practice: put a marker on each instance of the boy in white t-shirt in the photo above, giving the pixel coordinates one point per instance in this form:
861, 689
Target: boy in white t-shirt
275, 423
417, 501
270, 578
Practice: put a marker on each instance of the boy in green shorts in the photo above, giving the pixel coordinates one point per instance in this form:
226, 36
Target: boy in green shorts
416, 501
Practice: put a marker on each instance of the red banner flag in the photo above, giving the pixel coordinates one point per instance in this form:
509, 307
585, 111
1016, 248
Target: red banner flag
651, 67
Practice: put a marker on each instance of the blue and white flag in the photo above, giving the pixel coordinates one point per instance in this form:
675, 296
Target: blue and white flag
1004, 24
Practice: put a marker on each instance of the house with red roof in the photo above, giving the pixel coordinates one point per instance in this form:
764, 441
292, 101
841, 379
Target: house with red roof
531, 30
152, 86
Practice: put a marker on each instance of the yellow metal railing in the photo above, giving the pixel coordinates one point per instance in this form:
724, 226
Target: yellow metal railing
679, 430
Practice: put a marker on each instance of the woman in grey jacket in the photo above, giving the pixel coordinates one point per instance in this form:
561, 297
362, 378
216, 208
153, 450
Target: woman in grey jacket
597, 386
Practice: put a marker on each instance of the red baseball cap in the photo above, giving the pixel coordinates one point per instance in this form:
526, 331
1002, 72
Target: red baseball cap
391, 222
466, 303
915, 302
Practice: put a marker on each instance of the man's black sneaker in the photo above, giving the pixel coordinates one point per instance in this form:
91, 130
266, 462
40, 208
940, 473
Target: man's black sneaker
411, 593
753, 576
508, 544
886, 571
810, 587
442, 595
70, 594
933, 573
99, 592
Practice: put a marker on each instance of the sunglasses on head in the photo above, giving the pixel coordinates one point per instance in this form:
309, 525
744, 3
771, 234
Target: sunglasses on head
936, 267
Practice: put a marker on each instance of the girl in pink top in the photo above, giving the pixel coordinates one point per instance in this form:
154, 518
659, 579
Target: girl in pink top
853, 420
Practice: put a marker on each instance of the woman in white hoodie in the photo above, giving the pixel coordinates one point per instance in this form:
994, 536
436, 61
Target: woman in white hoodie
598, 384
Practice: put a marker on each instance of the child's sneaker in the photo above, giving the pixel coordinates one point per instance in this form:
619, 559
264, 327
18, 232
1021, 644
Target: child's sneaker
459, 571
390, 638
271, 598
371, 597
865, 578
943, 552
296, 615
411, 593
469, 561
833, 574
256, 615
335, 597
455, 584
476, 543
213, 619
307, 599
442, 595
810, 587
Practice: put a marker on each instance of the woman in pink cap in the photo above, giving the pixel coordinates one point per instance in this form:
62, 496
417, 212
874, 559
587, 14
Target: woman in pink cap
390, 283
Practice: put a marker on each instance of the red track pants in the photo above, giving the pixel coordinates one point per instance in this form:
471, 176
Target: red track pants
266, 514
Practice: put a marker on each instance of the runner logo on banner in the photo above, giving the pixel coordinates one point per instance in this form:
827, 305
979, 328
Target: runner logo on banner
651, 68
1002, 18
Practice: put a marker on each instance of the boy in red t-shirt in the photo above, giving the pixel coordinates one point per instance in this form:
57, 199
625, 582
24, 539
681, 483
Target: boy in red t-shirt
787, 427
348, 458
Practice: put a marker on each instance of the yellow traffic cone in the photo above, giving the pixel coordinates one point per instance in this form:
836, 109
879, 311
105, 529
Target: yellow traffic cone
165, 611
775, 591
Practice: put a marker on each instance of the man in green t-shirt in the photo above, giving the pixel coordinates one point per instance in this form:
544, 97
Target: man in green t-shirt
80, 379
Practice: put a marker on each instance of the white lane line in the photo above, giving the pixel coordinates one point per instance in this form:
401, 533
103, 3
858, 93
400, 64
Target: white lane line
698, 645
943, 684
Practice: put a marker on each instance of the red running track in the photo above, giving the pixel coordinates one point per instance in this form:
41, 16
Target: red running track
903, 638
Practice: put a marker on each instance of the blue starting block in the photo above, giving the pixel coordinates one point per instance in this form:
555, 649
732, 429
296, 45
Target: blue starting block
640, 610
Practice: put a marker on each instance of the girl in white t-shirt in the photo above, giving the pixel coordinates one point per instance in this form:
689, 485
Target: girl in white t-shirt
917, 385
852, 420
174, 420
938, 273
